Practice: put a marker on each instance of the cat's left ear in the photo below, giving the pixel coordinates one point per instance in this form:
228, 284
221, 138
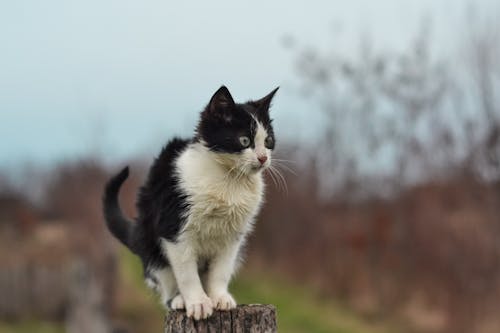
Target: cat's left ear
264, 103
221, 100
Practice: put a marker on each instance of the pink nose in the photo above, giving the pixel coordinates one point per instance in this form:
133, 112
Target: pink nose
262, 159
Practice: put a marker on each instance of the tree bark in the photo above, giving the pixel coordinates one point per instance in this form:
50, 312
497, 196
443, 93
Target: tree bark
254, 318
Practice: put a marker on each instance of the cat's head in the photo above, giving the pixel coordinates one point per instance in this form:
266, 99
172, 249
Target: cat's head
240, 135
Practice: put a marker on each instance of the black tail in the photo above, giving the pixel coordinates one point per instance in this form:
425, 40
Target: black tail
119, 225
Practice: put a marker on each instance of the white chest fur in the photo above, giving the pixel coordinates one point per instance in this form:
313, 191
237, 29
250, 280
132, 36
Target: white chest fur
222, 206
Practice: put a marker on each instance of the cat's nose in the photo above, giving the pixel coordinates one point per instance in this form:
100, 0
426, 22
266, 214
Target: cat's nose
262, 159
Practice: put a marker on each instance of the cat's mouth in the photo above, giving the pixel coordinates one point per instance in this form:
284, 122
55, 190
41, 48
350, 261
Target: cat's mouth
258, 167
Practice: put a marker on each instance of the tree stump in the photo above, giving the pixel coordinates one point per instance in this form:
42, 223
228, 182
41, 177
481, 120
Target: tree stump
253, 318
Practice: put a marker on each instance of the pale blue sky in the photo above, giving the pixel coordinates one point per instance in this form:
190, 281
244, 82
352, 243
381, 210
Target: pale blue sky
122, 76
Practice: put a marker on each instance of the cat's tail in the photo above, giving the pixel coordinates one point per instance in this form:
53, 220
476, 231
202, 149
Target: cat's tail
119, 225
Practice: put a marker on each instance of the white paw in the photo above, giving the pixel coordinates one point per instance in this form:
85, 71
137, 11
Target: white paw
223, 301
177, 303
199, 308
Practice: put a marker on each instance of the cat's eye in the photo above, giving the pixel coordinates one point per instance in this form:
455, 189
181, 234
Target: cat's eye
244, 141
269, 142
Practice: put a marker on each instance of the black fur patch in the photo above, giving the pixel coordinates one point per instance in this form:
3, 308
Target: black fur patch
160, 204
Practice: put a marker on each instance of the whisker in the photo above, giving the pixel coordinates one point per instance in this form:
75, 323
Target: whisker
280, 175
281, 180
287, 168
283, 184
282, 160
272, 177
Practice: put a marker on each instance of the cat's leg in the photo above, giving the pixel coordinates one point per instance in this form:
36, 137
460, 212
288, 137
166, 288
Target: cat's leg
184, 264
219, 273
177, 302
167, 287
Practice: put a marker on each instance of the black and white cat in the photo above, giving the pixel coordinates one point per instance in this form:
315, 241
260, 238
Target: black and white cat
198, 204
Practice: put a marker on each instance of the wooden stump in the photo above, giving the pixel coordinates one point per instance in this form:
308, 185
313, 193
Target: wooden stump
254, 318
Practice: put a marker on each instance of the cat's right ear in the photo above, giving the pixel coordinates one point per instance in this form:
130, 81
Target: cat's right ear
221, 100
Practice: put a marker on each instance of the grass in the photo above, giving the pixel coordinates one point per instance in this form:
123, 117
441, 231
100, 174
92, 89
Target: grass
30, 327
138, 308
299, 308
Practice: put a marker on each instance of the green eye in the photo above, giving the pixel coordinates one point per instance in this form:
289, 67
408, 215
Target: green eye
269, 142
244, 141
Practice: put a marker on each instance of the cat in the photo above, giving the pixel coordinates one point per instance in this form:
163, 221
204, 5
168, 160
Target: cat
198, 205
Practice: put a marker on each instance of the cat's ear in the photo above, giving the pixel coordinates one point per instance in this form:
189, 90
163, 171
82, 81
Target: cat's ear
264, 103
221, 100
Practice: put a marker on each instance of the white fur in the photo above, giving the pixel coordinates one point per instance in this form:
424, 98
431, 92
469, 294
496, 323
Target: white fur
178, 303
223, 201
166, 283
225, 193
260, 138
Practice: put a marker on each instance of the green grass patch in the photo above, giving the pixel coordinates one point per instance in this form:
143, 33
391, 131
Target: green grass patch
30, 327
300, 309
138, 307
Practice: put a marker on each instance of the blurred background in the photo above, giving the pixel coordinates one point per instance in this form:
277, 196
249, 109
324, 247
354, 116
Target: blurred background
385, 217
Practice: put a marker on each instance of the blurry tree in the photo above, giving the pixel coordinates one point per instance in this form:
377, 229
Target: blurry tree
399, 118
395, 119
378, 107
482, 52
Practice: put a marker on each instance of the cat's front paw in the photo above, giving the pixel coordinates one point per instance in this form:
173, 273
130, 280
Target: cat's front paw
223, 301
176, 303
200, 308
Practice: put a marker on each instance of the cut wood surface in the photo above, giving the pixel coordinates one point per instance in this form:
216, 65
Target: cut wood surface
253, 318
